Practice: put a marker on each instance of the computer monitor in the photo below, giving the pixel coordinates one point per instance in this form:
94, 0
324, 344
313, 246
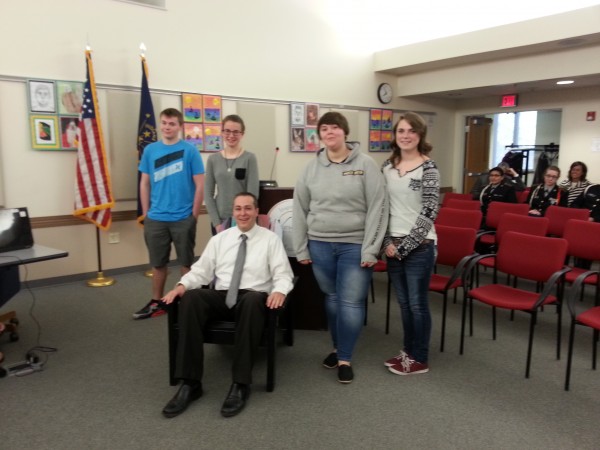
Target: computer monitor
15, 229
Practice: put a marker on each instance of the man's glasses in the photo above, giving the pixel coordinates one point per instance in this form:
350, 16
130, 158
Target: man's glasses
235, 133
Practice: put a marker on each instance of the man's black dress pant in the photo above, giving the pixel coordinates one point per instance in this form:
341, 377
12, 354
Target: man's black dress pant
196, 308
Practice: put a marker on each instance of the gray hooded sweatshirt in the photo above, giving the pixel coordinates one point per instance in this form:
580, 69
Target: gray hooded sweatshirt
345, 202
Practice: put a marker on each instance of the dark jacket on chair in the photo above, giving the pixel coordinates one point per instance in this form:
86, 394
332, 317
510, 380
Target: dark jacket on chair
589, 199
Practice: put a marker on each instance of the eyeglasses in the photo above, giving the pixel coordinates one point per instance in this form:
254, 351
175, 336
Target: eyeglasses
235, 133
551, 176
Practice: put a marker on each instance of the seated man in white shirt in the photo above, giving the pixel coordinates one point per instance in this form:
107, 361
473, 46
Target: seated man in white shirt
265, 282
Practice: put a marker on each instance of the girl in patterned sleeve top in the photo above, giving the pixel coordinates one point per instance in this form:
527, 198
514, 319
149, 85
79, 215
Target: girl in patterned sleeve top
413, 184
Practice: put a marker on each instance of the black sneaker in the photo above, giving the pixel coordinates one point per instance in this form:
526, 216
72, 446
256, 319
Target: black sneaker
345, 374
331, 361
154, 308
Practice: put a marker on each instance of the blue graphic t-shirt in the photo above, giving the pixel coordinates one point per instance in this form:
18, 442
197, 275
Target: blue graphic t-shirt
171, 169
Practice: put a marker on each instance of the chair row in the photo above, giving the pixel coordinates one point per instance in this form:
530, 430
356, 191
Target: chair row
521, 196
465, 212
524, 255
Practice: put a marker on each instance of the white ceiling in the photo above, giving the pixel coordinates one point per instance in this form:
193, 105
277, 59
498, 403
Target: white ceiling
468, 51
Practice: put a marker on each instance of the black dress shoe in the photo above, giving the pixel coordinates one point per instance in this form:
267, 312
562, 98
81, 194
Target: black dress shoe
236, 399
186, 394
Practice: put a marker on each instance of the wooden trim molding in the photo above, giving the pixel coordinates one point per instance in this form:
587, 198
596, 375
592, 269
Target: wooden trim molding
117, 216
70, 220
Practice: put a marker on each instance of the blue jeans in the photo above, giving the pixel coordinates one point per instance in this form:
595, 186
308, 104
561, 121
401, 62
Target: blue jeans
345, 283
410, 278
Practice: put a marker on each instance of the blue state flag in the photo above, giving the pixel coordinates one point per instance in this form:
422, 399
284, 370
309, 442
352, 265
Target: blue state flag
146, 130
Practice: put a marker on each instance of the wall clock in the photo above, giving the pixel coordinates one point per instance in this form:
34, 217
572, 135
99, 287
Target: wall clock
385, 93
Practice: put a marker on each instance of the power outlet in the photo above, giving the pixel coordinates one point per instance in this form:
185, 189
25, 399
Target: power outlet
114, 238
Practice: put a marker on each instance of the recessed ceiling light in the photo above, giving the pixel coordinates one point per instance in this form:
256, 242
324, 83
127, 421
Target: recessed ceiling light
565, 82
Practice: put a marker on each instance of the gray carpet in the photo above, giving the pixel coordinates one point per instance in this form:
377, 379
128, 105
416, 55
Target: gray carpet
107, 384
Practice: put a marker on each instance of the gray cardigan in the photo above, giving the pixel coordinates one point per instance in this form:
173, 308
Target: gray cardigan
224, 179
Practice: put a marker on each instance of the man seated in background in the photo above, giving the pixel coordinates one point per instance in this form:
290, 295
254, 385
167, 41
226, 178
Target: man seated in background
266, 279
511, 177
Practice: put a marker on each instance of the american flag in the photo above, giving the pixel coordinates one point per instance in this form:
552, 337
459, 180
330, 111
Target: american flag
93, 196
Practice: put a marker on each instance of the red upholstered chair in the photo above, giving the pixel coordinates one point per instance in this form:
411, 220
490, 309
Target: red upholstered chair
463, 218
455, 196
522, 196
495, 212
380, 266
535, 258
559, 215
463, 204
589, 317
455, 248
584, 243
535, 226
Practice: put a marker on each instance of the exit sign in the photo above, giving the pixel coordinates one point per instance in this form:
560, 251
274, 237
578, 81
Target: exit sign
509, 101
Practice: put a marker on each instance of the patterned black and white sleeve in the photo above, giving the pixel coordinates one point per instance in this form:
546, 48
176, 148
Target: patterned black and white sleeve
430, 192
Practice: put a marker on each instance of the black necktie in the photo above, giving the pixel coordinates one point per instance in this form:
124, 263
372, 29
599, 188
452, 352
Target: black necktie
234, 286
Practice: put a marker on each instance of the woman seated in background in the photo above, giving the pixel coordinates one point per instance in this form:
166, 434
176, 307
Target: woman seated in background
576, 182
497, 191
547, 194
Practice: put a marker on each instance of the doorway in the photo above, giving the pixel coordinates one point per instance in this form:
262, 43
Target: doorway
489, 136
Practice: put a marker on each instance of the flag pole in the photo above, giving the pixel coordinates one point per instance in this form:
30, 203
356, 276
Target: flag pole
100, 280
146, 130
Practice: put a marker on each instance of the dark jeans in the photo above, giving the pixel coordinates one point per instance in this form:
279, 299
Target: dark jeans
410, 278
196, 307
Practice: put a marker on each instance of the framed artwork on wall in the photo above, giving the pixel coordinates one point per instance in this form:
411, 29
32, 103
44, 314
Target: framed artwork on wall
304, 136
44, 132
312, 140
194, 134
212, 109
380, 126
297, 144
202, 121
212, 138
192, 108
70, 97
68, 132
312, 114
41, 96
54, 109
297, 114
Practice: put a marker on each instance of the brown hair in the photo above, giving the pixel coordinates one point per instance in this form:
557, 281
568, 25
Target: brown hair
247, 194
236, 119
555, 168
334, 118
172, 112
420, 126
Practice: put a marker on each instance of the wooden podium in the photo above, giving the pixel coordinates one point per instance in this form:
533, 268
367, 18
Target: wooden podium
309, 302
